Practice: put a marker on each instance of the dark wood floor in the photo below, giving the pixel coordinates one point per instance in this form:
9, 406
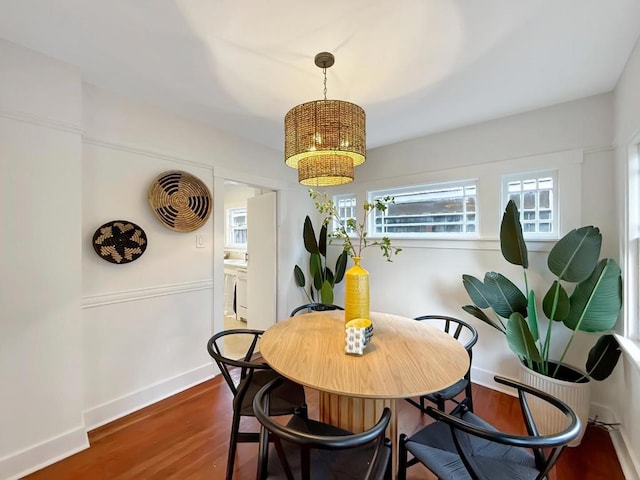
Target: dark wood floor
186, 436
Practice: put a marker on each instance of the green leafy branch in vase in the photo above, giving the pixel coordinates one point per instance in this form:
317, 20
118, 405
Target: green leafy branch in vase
352, 234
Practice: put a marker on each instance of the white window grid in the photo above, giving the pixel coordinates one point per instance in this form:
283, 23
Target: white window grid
346, 208
429, 210
237, 227
535, 195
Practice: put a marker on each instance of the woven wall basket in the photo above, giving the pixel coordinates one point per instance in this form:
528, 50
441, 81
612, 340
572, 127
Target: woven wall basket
119, 241
180, 201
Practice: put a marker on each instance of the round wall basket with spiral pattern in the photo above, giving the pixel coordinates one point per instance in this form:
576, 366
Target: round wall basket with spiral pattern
119, 241
180, 201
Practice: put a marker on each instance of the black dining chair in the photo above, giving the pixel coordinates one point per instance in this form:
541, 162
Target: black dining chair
468, 336
308, 449
245, 377
462, 446
315, 307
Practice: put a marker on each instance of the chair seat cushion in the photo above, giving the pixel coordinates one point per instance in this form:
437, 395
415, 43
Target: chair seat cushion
284, 398
434, 447
347, 464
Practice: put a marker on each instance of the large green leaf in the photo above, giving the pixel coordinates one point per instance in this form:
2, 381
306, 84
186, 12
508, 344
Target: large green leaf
326, 293
298, 274
315, 269
479, 314
520, 340
514, 250
595, 302
576, 254
532, 315
504, 297
341, 266
322, 241
476, 290
603, 357
309, 236
328, 275
558, 295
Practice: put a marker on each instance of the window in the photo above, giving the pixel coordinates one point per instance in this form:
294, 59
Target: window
346, 206
237, 227
535, 196
631, 261
425, 210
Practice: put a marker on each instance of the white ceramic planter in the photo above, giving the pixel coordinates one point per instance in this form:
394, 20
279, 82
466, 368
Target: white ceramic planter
548, 419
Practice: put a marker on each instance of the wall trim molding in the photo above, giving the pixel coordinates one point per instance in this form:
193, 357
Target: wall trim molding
100, 142
599, 149
109, 411
109, 298
42, 454
42, 121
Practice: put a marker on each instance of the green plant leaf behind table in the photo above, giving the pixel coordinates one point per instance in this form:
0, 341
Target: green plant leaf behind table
322, 278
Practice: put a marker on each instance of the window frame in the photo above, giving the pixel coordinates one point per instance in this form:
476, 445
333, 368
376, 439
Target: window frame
427, 187
230, 228
631, 262
336, 202
507, 178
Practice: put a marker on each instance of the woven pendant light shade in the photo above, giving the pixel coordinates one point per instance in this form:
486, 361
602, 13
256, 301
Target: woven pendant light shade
325, 170
324, 127
325, 139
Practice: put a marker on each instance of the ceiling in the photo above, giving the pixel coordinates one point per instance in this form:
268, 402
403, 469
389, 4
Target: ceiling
415, 66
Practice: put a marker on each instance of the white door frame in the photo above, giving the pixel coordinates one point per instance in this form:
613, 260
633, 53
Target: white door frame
220, 175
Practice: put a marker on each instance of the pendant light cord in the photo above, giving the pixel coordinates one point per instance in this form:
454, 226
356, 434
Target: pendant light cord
324, 71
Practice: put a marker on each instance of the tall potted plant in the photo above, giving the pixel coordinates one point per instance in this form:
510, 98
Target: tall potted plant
592, 306
322, 278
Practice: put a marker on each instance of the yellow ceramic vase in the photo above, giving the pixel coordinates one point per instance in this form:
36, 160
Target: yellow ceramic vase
356, 292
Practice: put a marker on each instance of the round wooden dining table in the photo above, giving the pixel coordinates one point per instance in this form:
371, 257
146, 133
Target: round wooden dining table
405, 358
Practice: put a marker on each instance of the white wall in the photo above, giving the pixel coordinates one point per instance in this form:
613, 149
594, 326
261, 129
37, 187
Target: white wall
40, 260
627, 130
155, 313
84, 341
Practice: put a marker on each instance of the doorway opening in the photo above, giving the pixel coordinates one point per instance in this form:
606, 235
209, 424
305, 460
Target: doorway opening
249, 261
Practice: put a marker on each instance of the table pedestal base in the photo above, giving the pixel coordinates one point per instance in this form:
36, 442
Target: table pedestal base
358, 414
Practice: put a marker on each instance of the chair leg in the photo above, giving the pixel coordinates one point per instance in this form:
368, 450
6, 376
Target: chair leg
233, 444
263, 453
402, 458
469, 400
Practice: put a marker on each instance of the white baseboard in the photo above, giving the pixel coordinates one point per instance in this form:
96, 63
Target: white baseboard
629, 461
485, 378
42, 454
114, 409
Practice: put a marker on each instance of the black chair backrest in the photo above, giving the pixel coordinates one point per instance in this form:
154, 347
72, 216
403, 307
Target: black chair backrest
315, 307
306, 441
546, 448
225, 364
455, 327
